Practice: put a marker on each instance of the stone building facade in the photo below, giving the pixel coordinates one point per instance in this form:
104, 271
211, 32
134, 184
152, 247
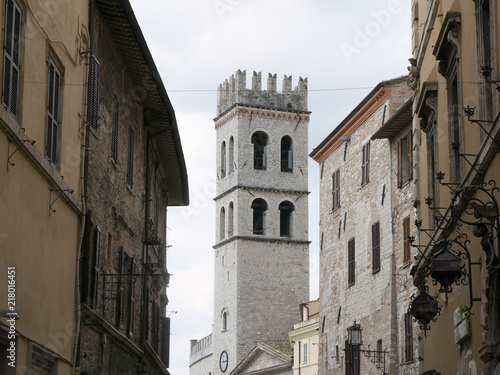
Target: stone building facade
362, 272
454, 72
135, 170
262, 249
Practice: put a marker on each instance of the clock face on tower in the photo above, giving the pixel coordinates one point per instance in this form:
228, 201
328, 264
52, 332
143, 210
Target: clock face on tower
223, 361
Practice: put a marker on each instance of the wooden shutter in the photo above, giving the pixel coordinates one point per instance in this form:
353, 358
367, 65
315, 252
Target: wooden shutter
408, 338
365, 166
376, 247
336, 189
400, 162
85, 266
130, 162
120, 298
95, 268
352, 262
409, 144
406, 240
114, 136
131, 299
94, 93
12, 51
54, 84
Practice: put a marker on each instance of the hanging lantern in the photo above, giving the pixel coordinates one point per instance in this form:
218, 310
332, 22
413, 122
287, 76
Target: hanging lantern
424, 308
445, 267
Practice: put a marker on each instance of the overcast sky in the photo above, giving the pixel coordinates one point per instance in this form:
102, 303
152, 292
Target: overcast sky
344, 48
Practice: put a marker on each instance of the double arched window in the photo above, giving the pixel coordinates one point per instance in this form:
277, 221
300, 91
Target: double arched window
286, 208
259, 206
259, 141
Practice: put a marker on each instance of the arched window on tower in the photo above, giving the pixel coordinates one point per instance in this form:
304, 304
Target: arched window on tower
286, 208
224, 321
223, 160
259, 206
259, 141
230, 164
286, 154
222, 224
230, 218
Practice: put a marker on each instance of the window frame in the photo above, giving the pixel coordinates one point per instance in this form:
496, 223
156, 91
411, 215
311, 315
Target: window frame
376, 265
94, 93
114, 132
223, 159
130, 157
286, 210
406, 241
12, 59
286, 154
365, 164
259, 207
260, 150
405, 159
336, 190
409, 350
351, 262
53, 111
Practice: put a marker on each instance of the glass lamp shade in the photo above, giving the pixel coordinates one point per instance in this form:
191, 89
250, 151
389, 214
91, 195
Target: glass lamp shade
354, 335
445, 266
424, 308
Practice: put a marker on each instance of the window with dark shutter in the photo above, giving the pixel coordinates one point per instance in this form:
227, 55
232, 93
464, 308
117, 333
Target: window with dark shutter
259, 141
120, 298
114, 134
259, 206
352, 359
131, 299
130, 161
408, 338
95, 268
12, 51
286, 208
286, 154
51, 139
85, 265
336, 189
94, 94
365, 165
351, 256
223, 160
405, 162
406, 240
376, 247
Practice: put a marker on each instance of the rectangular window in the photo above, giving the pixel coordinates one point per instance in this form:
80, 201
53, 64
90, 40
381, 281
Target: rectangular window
120, 295
365, 165
305, 354
379, 352
131, 299
376, 247
11, 56
130, 162
53, 95
405, 161
94, 93
351, 256
114, 134
336, 189
408, 338
406, 240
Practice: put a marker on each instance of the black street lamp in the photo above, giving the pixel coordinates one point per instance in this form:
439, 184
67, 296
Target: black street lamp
446, 268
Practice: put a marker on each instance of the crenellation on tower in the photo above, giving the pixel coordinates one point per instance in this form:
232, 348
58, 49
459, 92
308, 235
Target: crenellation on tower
272, 82
234, 91
257, 81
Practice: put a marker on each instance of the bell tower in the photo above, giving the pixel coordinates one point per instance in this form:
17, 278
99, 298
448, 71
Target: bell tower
262, 249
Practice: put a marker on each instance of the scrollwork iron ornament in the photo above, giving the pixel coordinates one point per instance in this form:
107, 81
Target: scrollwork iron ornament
424, 308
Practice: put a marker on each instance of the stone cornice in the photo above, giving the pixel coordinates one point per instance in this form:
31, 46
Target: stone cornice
258, 238
267, 190
270, 113
354, 122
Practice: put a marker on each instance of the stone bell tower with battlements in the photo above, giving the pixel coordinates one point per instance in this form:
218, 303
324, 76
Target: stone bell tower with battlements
262, 249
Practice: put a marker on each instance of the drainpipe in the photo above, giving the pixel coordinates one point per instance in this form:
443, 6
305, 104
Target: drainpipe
84, 189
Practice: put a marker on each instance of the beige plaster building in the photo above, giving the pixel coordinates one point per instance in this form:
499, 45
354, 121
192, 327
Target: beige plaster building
366, 195
455, 73
42, 139
304, 339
